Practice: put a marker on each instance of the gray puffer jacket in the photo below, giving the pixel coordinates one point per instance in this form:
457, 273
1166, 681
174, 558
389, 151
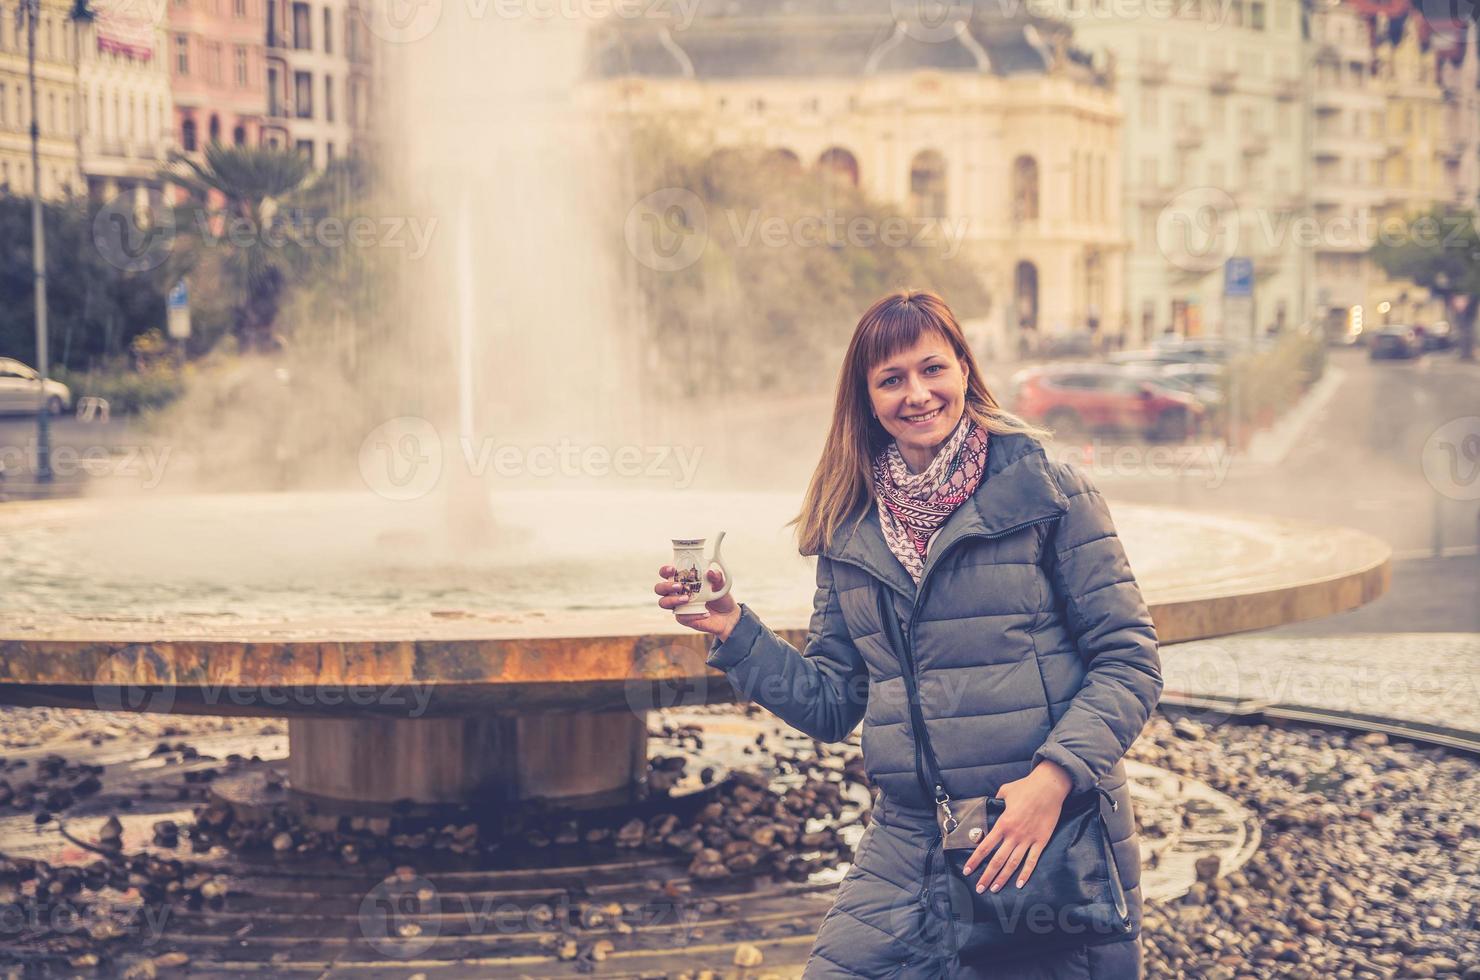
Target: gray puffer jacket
1030, 636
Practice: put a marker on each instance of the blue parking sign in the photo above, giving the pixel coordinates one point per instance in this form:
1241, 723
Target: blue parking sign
1238, 276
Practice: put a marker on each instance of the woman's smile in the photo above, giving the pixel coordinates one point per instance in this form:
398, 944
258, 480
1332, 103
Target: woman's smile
923, 420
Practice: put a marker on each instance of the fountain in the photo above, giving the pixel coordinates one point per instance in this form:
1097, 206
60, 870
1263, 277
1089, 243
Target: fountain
441, 647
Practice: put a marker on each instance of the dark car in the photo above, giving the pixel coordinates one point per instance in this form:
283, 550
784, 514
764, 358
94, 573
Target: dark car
1077, 398
1394, 343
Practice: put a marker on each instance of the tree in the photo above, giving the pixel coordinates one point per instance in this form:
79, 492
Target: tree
254, 228
1440, 252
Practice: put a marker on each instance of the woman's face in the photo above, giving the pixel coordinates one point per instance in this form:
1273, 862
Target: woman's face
919, 396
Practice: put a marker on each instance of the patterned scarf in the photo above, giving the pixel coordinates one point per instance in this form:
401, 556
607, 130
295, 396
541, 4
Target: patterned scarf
913, 506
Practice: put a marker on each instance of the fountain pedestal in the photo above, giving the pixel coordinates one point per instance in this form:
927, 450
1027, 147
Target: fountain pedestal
576, 759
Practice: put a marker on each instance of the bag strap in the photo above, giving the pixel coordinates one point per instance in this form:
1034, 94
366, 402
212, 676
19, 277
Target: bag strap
917, 719
902, 650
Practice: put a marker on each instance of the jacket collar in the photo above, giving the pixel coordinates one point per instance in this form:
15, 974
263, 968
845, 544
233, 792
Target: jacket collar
1017, 489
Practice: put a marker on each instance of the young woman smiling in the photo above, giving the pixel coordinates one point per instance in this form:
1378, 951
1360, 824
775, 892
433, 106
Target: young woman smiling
1034, 656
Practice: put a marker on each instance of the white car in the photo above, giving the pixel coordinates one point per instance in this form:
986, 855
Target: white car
20, 390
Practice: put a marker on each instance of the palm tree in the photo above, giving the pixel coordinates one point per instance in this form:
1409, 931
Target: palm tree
257, 187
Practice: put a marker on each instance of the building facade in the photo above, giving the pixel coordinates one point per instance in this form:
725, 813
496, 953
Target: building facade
127, 120
56, 89
1000, 130
218, 71
1349, 150
318, 76
1213, 158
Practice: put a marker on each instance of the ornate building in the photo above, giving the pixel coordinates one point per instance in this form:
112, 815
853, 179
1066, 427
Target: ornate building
56, 88
996, 127
1215, 137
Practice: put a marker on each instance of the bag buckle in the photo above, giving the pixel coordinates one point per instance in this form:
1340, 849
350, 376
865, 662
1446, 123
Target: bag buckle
943, 800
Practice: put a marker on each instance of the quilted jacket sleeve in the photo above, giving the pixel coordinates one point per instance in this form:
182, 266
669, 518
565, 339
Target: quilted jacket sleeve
1112, 628
821, 691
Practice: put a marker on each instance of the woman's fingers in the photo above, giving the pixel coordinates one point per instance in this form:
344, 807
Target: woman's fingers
1029, 863
996, 880
984, 848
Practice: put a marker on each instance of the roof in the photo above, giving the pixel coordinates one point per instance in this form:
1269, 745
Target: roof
786, 38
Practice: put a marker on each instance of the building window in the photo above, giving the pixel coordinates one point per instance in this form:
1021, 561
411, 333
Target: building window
305, 147
187, 135
328, 153
328, 31
4, 107
215, 129
239, 8
303, 94
329, 98
1256, 15
239, 136
1025, 189
274, 93
241, 66
928, 184
182, 54
302, 28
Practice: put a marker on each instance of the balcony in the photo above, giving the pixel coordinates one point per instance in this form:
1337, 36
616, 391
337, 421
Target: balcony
1189, 137
1287, 89
1154, 71
1452, 149
1221, 80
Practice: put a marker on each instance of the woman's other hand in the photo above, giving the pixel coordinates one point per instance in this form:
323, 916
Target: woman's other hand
1032, 811
723, 612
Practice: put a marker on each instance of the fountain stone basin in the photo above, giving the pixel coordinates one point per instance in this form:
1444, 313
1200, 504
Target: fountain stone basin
412, 666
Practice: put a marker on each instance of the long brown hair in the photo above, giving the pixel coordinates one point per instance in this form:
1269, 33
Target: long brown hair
843, 480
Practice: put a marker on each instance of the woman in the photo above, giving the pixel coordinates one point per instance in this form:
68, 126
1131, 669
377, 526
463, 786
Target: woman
1036, 658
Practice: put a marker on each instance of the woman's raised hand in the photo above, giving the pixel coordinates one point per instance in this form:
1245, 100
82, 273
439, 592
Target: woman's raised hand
723, 613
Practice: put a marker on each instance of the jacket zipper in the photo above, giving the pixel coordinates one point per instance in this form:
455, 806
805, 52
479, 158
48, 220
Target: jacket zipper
917, 718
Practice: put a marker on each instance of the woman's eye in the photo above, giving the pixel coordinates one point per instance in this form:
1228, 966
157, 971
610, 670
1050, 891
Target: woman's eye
934, 366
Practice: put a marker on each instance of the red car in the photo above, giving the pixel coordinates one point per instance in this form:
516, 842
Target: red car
1076, 399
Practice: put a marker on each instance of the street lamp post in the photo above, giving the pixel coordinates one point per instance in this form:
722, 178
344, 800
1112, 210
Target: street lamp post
31, 11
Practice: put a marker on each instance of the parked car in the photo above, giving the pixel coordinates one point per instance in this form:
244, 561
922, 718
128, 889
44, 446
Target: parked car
1435, 336
1077, 398
20, 390
1394, 342
1201, 380
1197, 349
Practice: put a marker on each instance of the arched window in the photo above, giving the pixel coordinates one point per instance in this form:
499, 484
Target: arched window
187, 135
838, 162
215, 129
239, 136
1025, 295
1025, 189
784, 159
928, 184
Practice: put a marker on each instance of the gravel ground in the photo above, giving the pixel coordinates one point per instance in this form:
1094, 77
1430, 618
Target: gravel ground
1369, 864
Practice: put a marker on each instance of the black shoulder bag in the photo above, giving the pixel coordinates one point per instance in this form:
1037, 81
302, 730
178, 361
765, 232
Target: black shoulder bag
1074, 896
